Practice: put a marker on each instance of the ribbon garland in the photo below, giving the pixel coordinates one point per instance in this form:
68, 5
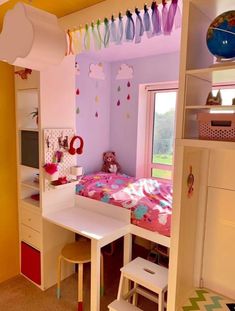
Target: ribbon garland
161, 22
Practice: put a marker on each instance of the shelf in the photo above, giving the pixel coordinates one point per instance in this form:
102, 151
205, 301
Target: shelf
31, 202
68, 184
213, 8
214, 107
209, 144
220, 73
30, 184
28, 129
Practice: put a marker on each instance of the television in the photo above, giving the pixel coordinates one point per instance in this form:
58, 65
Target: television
29, 148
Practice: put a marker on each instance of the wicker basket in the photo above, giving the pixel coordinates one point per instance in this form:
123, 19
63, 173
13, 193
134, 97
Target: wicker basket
216, 126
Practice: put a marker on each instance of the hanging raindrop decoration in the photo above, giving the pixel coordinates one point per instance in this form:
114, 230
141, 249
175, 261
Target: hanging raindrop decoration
139, 26
156, 20
130, 27
120, 29
106, 32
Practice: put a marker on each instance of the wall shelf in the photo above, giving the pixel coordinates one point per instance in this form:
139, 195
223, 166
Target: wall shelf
67, 185
208, 144
217, 73
30, 184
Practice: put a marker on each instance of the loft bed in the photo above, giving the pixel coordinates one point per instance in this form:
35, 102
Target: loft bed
147, 201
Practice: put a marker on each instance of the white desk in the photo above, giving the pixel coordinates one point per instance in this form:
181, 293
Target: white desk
102, 230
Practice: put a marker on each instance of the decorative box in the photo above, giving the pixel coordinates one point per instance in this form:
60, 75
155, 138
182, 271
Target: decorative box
216, 126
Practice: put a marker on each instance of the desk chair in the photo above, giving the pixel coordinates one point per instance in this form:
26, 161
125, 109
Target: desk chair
78, 253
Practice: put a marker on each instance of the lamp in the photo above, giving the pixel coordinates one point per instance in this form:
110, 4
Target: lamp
76, 170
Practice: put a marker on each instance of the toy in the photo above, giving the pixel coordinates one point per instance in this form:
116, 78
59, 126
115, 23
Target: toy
110, 165
214, 100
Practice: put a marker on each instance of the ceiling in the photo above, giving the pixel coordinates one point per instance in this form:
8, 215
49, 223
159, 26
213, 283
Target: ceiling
59, 7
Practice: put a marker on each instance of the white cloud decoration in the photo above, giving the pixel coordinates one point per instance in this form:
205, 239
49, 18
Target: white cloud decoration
31, 38
125, 72
96, 71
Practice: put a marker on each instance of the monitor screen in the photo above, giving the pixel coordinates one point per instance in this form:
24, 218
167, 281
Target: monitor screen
29, 148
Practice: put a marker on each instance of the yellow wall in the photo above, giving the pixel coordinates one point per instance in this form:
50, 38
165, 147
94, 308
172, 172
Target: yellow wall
9, 252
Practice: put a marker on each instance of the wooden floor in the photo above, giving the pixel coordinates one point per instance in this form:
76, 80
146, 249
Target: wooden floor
18, 294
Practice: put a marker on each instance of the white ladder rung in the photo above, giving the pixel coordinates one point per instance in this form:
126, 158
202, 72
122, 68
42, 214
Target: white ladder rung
122, 305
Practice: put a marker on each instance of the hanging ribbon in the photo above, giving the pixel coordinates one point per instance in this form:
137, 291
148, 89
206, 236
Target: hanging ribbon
120, 29
98, 31
178, 18
147, 23
70, 43
106, 32
87, 38
113, 30
156, 20
171, 16
97, 42
164, 16
139, 26
130, 27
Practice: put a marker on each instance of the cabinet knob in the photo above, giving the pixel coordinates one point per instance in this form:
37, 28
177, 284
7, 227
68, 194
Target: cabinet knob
29, 219
29, 236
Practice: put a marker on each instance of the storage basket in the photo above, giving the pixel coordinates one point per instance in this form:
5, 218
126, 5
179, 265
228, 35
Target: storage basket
216, 126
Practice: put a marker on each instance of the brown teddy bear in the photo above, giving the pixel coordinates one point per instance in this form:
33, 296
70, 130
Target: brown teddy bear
110, 165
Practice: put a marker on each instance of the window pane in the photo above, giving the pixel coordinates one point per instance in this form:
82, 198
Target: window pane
164, 116
163, 174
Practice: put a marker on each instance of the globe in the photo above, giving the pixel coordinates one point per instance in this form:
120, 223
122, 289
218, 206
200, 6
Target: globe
221, 36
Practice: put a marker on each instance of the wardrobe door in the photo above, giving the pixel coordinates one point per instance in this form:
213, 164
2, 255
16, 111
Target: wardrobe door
219, 249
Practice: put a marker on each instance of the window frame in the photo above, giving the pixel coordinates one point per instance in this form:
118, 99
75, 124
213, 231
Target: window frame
151, 91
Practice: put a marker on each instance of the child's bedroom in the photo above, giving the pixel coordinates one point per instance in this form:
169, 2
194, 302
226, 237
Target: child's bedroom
121, 120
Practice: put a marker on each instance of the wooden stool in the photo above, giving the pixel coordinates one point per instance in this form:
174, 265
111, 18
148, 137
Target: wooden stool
122, 305
145, 275
78, 253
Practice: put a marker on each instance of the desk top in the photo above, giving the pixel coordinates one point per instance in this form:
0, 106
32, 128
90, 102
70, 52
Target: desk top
89, 224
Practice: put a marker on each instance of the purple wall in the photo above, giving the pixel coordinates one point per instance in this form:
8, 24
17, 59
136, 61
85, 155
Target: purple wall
123, 117
93, 113
115, 128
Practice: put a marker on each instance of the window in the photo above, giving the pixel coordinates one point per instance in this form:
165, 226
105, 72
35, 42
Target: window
160, 132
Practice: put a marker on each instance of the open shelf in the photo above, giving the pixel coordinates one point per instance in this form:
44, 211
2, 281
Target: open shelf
220, 73
68, 184
213, 107
209, 144
30, 202
30, 184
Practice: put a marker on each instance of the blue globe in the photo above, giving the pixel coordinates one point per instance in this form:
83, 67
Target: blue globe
221, 36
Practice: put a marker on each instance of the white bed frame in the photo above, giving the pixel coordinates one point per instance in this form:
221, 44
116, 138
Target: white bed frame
122, 214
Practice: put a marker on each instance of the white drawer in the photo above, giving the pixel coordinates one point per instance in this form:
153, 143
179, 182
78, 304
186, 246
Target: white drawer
31, 219
31, 236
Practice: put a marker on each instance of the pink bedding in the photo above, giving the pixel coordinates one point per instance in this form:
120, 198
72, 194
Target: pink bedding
149, 201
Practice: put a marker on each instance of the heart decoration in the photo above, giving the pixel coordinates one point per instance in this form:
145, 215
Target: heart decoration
118, 103
77, 92
128, 84
96, 114
119, 88
78, 110
128, 97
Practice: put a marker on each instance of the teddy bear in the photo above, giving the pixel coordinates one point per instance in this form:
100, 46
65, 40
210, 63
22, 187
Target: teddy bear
110, 165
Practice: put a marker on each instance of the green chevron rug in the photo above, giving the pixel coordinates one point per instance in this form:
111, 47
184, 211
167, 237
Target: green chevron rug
203, 299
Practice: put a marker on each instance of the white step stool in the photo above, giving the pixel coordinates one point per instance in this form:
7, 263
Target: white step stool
145, 275
122, 305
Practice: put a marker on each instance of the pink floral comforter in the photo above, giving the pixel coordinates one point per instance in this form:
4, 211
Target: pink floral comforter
149, 201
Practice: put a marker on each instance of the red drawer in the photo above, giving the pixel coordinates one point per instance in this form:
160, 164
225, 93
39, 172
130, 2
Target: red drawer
31, 263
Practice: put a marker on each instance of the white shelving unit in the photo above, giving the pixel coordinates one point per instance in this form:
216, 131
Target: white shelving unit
203, 223
40, 242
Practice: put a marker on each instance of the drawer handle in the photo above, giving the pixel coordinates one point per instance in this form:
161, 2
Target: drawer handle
29, 219
29, 236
